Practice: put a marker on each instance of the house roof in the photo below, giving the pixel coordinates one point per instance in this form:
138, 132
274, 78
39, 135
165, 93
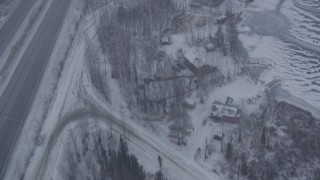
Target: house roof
166, 39
222, 110
221, 17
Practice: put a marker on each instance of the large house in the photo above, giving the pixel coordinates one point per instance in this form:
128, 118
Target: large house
225, 112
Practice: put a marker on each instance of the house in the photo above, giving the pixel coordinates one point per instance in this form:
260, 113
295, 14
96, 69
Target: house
225, 112
166, 40
221, 19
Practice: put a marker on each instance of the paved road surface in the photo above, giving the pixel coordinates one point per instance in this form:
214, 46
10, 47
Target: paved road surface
18, 95
13, 23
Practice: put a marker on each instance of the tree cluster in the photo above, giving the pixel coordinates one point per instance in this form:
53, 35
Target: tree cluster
280, 143
129, 37
91, 155
238, 52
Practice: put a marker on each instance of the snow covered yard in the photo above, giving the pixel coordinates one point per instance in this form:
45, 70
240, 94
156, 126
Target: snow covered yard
204, 128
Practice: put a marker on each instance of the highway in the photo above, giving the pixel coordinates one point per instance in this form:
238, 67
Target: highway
17, 98
13, 23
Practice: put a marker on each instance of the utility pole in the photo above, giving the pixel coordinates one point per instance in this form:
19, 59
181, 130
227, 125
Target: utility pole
222, 135
205, 150
238, 169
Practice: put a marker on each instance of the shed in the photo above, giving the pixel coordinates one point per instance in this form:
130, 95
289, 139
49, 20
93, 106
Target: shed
221, 19
166, 40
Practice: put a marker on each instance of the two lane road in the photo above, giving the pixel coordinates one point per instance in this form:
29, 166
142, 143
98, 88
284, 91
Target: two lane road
17, 98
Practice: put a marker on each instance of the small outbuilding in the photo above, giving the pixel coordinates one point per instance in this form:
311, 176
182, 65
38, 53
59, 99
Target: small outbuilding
222, 19
166, 40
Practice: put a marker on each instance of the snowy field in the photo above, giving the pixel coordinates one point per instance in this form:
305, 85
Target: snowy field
294, 61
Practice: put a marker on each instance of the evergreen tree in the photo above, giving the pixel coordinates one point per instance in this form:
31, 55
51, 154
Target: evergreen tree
229, 151
244, 166
160, 161
219, 38
159, 176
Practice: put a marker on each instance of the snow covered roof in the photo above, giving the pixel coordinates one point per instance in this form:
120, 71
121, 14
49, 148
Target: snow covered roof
222, 110
244, 29
166, 40
221, 17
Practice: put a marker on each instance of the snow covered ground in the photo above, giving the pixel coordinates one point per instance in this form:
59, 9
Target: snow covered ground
240, 90
148, 146
75, 97
294, 62
75, 91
